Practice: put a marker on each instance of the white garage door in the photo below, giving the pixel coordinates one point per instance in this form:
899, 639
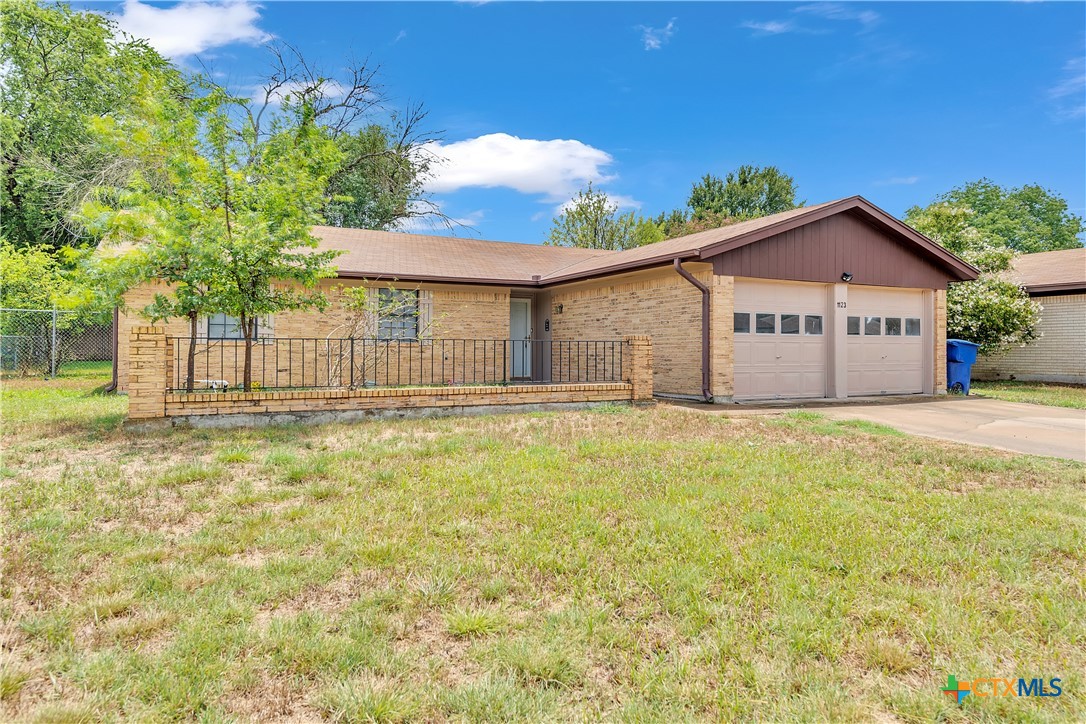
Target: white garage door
885, 341
780, 342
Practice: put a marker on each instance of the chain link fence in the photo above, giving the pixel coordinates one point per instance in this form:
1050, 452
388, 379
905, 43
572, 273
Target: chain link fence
45, 342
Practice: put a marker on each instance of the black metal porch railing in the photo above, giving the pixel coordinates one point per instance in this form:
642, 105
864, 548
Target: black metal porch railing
306, 363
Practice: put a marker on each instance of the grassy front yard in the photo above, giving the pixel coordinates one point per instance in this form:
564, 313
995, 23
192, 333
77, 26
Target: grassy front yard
1039, 393
647, 565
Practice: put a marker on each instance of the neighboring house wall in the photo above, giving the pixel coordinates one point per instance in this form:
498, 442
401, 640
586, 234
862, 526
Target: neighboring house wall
1059, 355
658, 303
454, 312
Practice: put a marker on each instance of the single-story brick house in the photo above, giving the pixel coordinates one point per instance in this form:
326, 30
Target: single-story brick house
834, 300
1057, 280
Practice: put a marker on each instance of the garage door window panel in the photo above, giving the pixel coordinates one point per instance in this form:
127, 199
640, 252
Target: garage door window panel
854, 326
789, 324
765, 323
872, 326
893, 326
741, 321
912, 327
812, 324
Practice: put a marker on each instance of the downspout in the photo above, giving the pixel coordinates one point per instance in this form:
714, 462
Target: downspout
706, 371
112, 386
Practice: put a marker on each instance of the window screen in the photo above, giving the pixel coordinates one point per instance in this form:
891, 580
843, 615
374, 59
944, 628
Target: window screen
912, 327
853, 325
812, 324
223, 326
398, 316
872, 326
765, 323
893, 326
789, 324
741, 322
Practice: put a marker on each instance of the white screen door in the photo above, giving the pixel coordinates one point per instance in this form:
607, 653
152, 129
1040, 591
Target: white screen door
520, 332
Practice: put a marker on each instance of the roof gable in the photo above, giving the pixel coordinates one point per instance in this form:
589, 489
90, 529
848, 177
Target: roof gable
379, 254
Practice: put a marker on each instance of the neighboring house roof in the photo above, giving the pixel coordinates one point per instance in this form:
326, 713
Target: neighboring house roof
390, 255
1050, 272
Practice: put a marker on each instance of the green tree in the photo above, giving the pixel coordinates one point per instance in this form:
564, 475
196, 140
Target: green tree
221, 207
160, 219
60, 69
745, 193
1028, 219
380, 183
32, 277
680, 222
591, 221
992, 311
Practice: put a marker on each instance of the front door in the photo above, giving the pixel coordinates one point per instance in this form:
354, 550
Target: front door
520, 334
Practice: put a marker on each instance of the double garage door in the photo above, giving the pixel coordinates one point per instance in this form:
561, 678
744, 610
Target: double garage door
784, 332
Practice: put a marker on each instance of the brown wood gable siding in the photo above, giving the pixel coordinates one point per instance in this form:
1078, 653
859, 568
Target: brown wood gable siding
822, 250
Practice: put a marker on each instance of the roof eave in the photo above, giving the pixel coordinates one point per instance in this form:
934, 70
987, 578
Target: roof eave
1059, 288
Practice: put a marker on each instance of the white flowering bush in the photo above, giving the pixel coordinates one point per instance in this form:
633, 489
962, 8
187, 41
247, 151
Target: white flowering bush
993, 312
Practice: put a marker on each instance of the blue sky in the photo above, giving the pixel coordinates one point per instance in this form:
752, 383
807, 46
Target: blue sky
896, 102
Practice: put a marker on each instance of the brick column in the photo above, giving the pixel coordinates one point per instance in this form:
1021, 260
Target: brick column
637, 366
147, 373
939, 340
722, 337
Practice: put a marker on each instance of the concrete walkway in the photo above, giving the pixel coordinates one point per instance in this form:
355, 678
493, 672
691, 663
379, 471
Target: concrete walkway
1016, 426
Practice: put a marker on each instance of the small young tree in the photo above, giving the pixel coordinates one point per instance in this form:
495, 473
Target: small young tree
159, 215
267, 194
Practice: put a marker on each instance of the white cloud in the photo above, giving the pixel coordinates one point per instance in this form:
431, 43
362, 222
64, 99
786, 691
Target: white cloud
331, 89
898, 181
399, 36
770, 27
1067, 95
835, 11
825, 11
193, 27
554, 168
656, 38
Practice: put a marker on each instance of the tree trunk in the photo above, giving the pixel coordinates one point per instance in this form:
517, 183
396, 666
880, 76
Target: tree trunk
247, 373
190, 366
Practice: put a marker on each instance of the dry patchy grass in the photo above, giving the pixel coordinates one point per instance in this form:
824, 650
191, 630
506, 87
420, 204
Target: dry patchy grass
649, 564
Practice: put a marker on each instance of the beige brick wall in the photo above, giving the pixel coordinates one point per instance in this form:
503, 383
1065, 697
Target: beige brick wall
177, 405
1059, 355
457, 313
658, 303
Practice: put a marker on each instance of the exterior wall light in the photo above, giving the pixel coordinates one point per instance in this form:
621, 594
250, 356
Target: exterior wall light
846, 277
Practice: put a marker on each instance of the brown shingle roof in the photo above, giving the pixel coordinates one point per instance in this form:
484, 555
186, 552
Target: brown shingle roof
382, 254
392, 255
1051, 270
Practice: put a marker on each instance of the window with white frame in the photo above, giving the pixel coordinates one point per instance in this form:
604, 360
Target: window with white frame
224, 326
398, 314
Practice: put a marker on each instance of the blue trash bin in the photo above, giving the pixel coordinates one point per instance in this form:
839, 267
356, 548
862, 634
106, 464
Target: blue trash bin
960, 356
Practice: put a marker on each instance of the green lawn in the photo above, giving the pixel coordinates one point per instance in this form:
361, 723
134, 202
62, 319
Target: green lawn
616, 564
1039, 393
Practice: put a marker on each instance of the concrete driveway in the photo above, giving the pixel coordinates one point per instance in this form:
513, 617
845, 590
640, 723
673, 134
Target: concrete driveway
1035, 429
